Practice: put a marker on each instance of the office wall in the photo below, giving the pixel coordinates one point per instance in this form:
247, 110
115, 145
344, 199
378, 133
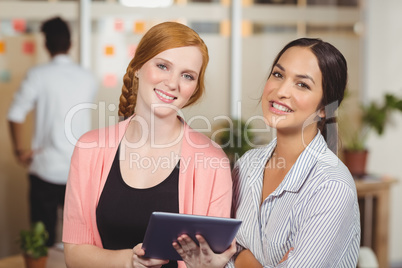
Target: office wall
383, 61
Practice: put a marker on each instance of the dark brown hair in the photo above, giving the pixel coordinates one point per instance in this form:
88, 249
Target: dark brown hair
57, 35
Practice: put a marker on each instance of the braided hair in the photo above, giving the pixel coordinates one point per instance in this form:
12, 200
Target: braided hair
161, 37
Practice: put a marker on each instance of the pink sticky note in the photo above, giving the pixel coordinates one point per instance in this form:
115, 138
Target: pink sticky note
118, 25
19, 25
28, 47
131, 51
110, 80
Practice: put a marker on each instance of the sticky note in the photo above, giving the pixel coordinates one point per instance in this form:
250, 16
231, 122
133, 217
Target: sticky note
28, 47
109, 80
2, 47
5, 76
118, 25
139, 27
131, 51
19, 25
109, 50
225, 28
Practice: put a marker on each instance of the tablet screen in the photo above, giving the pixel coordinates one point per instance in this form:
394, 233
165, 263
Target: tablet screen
164, 228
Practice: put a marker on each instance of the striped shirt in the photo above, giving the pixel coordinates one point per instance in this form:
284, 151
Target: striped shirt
314, 210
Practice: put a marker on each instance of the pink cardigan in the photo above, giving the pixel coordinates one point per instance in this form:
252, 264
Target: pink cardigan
205, 184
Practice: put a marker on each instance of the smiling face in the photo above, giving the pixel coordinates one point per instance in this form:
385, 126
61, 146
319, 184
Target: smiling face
293, 91
168, 80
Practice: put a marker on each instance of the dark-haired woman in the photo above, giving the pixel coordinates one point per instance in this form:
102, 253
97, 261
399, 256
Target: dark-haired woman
297, 200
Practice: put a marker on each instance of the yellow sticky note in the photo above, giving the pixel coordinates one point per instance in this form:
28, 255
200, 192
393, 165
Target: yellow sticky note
225, 28
109, 50
2, 47
139, 27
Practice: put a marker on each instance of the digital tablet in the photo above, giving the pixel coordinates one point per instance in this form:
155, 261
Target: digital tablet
164, 228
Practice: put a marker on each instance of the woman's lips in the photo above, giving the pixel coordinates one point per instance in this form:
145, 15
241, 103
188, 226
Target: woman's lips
279, 108
164, 96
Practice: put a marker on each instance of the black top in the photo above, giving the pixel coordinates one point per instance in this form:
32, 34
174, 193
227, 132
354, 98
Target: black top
123, 212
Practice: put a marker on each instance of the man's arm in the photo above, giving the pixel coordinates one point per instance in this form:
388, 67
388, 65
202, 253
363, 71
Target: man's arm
24, 156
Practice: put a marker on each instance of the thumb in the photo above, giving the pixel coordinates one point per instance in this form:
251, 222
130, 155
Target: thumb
286, 255
231, 250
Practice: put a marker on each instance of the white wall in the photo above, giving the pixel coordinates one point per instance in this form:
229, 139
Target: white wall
383, 61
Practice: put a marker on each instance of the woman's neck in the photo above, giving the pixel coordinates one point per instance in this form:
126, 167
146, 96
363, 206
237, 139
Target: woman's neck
290, 145
151, 130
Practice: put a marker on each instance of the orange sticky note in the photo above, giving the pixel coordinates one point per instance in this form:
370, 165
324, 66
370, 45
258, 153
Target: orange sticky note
118, 25
139, 27
109, 80
19, 25
109, 50
131, 51
28, 47
2, 47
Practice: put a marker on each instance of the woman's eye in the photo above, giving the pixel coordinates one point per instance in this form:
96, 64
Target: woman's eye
188, 76
303, 85
162, 66
276, 74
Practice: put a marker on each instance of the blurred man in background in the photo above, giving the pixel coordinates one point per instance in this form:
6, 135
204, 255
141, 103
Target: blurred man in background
51, 90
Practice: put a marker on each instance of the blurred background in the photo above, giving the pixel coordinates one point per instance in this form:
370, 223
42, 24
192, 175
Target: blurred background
243, 37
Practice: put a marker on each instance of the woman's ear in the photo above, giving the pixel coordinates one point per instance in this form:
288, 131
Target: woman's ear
321, 112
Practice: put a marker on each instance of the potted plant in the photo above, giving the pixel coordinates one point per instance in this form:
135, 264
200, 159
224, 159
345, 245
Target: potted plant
235, 137
33, 245
371, 117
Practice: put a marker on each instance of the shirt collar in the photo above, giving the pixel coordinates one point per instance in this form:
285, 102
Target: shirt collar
301, 169
62, 58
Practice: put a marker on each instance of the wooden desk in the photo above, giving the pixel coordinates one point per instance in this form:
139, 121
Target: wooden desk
55, 260
373, 195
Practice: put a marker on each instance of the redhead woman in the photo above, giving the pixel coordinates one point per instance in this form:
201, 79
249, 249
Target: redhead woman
151, 161
297, 200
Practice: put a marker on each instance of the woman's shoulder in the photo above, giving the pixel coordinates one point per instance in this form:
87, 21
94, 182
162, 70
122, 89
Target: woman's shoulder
257, 153
102, 137
201, 143
331, 168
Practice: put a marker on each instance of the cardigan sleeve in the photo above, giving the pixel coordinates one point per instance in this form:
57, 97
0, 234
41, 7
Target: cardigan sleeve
221, 198
77, 220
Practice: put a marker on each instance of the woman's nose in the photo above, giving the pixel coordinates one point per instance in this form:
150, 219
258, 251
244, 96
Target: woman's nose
172, 81
284, 89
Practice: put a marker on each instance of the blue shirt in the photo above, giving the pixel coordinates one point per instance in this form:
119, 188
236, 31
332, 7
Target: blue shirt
314, 210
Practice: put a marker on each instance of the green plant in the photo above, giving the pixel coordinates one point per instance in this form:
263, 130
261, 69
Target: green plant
235, 137
33, 241
372, 117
